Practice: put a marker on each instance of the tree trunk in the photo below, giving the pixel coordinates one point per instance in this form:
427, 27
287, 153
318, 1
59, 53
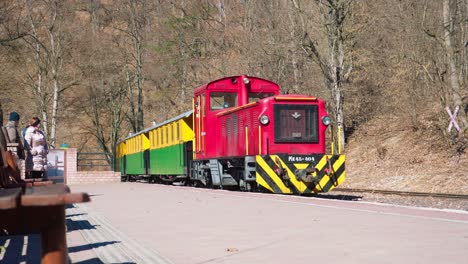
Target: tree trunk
56, 61
294, 27
455, 90
1, 115
136, 21
334, 14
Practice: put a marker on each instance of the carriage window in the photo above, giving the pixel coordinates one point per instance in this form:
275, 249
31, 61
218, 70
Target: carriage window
220, 100
156, 136
254, 97
171, 133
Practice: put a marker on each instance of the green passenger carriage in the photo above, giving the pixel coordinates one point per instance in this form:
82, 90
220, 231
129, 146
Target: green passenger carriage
162, 152
120, 152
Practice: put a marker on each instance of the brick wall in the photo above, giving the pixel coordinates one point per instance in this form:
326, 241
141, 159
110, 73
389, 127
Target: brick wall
73, 176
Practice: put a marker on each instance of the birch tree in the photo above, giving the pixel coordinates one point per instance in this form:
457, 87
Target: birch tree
132, 17
46, 43
297, 28
455, 69
334, 64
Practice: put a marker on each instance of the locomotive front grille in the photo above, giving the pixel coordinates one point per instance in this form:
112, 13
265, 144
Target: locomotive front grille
296, 123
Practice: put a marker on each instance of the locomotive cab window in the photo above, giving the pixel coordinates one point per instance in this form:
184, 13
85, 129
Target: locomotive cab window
222, 100
254, 97
296, 123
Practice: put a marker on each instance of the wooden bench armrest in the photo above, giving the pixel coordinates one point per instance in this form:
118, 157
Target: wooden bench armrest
9, 198
31, 209
33, 180
52, 194
39, 183
28, 184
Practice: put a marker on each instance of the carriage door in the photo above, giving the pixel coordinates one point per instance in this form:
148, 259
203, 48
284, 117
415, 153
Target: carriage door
200, 126
146, 153
188, 158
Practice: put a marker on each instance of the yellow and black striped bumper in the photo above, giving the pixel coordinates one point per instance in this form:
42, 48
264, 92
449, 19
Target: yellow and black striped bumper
300, 174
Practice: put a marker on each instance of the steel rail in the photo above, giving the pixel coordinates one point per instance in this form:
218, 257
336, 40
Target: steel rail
405, 193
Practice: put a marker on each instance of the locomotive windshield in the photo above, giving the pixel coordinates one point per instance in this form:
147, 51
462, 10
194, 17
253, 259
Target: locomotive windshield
296, 123
221, 100
254, 97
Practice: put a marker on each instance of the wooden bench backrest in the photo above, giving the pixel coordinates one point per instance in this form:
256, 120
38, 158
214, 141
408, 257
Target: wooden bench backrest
9, 171
9, 198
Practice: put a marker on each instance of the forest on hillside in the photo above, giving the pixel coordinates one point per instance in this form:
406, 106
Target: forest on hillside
95, 70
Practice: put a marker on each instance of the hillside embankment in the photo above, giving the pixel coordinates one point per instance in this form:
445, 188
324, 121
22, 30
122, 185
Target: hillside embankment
384, 154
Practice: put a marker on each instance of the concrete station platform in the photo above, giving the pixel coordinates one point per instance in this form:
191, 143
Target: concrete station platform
151, 223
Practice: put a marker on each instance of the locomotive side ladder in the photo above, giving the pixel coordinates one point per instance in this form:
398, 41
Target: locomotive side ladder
216, 170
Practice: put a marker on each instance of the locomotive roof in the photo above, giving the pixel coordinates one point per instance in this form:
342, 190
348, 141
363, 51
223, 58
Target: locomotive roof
183, 115
206, 85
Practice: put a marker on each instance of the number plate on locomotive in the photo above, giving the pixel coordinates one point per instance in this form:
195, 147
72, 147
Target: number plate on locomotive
301, 159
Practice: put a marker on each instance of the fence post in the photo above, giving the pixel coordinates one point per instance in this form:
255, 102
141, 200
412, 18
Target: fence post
71, 165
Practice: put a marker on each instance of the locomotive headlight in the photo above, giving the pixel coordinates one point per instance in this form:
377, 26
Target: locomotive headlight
264, 120
326, 120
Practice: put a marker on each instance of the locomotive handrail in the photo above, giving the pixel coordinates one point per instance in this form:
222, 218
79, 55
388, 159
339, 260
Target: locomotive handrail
281, 98
236, 109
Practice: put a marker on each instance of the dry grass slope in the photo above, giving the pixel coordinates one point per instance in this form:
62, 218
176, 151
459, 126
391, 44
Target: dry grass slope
384, 154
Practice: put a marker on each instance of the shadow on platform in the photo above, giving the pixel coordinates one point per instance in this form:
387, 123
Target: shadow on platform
90, 246
20, 249
73, 225
338, 197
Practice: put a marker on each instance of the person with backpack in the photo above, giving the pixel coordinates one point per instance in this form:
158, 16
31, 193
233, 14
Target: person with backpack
12, 138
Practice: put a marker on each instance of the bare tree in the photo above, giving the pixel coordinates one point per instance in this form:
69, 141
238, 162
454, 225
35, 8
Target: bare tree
105, 85
106, 115
132, 17
335, 68
46, 41
455, 91
10, 22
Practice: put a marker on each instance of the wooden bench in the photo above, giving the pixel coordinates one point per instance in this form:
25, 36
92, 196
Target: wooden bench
36, 207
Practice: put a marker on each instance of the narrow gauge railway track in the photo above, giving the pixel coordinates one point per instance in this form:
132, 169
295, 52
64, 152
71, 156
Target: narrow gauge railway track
403, 193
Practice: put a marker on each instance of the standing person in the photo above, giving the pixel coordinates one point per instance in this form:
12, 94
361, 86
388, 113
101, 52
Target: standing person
28, 158
12, 136
35, 142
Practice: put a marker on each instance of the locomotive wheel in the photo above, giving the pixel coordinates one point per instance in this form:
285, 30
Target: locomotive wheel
262, 189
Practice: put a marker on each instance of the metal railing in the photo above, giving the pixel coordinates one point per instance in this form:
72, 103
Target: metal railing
87, 161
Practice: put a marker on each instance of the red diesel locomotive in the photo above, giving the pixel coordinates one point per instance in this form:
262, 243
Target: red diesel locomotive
247, 135
241, 134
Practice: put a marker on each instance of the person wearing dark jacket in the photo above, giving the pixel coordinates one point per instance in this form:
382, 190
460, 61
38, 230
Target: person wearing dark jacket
10, 131
12, 135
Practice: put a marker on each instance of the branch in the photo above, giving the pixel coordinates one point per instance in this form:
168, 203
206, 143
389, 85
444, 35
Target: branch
68, 85
310, 48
